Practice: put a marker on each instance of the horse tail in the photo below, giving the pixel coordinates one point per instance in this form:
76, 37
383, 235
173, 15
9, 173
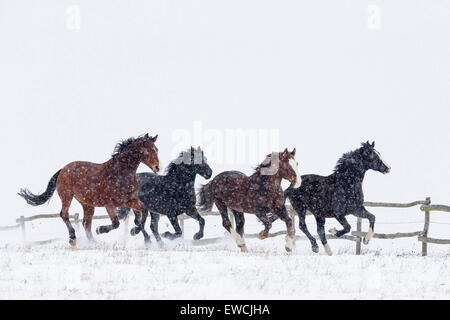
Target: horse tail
122, 212
37, 200
287, 193
206, 198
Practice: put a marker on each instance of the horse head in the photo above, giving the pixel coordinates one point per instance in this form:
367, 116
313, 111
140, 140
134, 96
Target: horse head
372, 158
148, 152
289, 167
190, 163
200, 163
284, 164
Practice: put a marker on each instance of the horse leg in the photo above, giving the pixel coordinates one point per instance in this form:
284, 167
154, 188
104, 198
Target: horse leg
283, 215
227, 225
193, 213
137, 205
301, 212
144, 216
174, 221
321, 232
114, 221
343, 221
66, 199
240, 221
363, 213
154, 225
122, 212
88, 213
137, 218
267, 225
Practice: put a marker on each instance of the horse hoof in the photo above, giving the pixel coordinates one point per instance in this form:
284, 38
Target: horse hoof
315, 249
243, 248
198, 236
134, 231
289, 244
147, 242
168, 235
73, 242
328, 250
101, 229
368, 236
262, 235
333, 231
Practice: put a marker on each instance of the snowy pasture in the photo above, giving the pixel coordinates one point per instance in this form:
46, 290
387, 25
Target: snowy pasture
121, 267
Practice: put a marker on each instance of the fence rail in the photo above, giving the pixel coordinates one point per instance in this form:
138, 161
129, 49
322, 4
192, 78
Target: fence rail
356, 236
5, 228
435, 207
396, 205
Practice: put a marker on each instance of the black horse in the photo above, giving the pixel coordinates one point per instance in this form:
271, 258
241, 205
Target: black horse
338, 194
171, 194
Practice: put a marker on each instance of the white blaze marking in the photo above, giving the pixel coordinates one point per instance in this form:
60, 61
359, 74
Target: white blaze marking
298, 179
381, 158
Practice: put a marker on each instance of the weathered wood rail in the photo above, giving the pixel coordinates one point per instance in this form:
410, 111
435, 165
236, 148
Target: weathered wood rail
428, 208
356, 236
397, 235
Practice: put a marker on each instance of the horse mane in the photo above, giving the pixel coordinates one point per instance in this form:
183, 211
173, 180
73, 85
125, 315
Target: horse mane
349, 161
263, 164
173, 164
123, 144
179, 160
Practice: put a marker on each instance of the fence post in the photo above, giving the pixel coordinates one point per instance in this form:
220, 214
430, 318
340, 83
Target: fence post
22, 226
358, 241
426, 226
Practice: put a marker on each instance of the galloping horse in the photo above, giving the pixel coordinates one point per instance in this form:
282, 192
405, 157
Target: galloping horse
110, 184
259, 194
171, 194
338, 194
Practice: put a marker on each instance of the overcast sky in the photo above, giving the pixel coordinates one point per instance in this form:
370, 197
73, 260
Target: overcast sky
77, 76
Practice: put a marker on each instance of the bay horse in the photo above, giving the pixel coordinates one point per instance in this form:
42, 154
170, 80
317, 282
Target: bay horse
110, 184
338, 194
171, 194
259, 194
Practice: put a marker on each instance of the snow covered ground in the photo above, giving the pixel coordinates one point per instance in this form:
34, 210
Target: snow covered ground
118, 266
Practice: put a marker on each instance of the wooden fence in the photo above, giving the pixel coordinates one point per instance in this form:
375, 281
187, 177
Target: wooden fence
356, 236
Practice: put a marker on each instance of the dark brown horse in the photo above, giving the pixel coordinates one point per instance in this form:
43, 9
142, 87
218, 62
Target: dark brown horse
259, 194
111, 184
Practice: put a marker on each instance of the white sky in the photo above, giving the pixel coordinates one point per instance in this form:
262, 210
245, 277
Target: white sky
326, 74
